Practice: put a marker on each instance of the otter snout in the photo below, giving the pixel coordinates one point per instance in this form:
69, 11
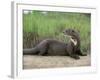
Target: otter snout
65, 33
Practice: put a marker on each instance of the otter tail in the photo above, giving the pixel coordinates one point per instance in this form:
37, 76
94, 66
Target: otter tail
31, 51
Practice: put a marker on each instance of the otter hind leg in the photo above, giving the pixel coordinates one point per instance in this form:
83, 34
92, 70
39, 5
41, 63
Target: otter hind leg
43, 51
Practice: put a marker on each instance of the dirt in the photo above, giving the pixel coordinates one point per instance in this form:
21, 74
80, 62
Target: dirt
33, 62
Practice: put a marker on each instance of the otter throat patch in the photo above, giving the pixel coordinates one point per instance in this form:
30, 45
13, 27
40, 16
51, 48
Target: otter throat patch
74, 41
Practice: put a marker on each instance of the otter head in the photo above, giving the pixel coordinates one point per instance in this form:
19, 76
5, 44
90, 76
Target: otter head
72, 34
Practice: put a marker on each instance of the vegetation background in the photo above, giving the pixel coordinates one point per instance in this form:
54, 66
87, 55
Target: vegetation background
40, 25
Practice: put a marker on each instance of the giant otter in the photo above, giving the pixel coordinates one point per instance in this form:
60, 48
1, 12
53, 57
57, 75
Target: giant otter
54, 47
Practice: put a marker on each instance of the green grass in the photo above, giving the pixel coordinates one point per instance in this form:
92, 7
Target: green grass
40, 25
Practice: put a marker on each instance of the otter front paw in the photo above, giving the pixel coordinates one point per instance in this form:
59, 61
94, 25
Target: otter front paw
76, 57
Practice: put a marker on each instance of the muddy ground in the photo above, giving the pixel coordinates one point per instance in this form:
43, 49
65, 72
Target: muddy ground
33, 62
